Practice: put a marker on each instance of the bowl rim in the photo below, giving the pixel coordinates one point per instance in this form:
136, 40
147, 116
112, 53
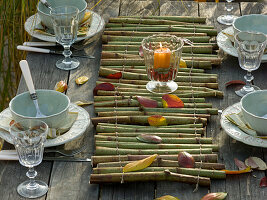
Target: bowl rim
244, 16
80, 11
249, 113
28, 117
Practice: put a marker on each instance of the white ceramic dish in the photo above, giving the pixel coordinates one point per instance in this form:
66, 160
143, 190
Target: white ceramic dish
226, 45
77, 129
97, 25
234, 132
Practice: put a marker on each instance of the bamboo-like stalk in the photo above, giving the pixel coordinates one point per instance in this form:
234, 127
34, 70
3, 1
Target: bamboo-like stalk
135, 103
144, 82
165, 140
189, 19
215, 174
156, 24
148, 176
162, 134
212, 158
112, 98
118, 151
188, 70
113, 38
141, 145
145, 34
144, 120
204, 49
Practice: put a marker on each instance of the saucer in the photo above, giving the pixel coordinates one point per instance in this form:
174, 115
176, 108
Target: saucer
234, 132
96, 27
77, 129
226, 44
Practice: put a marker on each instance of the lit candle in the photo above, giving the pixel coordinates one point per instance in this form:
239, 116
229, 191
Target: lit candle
162, 57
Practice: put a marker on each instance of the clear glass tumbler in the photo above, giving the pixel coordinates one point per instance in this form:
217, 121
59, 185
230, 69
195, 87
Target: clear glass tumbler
250, 47
65, 23
29, 137
227, 19
162, 54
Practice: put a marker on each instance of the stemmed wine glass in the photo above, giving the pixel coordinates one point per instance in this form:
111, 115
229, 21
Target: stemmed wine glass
250, 47
227, 19
29, 137
65, 23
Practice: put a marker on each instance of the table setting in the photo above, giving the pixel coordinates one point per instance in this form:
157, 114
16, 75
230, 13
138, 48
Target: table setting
153, 97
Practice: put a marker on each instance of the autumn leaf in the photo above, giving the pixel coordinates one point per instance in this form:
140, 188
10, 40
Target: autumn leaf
167, 197
240, 164
105, 87
147, 102
81, 80
139, 164
141, 51
172, 101
157, 120
117, 75
256, 163
61, 86
214, 196
248, 169
263, 182
182, 63
147, 138
186, 160
82, 103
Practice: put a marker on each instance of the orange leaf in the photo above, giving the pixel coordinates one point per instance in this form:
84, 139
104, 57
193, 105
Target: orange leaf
182, 63
105, 87
139, 164
172, 101
214, 196
147, 102
157, 120
61, 86
117, 75
248, 169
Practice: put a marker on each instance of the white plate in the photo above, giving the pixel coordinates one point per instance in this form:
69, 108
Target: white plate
226, 45
234, 132
97, 25
77, 129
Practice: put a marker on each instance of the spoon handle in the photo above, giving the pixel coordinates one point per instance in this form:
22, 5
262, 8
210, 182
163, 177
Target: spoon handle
46, 4
27, 76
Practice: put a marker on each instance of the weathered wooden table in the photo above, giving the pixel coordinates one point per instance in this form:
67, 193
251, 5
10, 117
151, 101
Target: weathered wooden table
70, 180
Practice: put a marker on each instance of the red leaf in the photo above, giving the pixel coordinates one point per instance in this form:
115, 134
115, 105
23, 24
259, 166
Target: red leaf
214, 196
263, 182
105, 87
250, 162
234, 82
172, 101
141, 51
186, 160
147, 102
240, 164
117, 75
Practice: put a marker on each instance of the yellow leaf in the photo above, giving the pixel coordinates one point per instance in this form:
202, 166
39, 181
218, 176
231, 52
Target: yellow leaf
171, 101
248, 169
61, 86
81, 80
182, 64
86, 17
167, 197
139, 164
82, 103
157, 120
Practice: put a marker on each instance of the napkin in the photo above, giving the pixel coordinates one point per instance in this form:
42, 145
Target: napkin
238, 120
8, 155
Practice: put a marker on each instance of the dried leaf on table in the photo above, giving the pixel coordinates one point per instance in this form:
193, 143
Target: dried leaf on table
214, 196
105, 87
256, 163
61, 86
139, 164
248, 169
117, 75
240, 164
263, 182
235, 82
157, 120
86, 17
141, 52
81, 80
186, 160
172, 101
147, 102
167, 197
147, 138
82, 103
182, 63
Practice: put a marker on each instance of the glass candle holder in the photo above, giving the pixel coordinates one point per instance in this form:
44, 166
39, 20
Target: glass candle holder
162, 54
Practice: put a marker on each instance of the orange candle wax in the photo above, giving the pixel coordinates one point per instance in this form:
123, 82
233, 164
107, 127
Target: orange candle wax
162, 58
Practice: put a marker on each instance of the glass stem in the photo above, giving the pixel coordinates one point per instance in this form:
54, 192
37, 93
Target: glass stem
67, 53
31, 173
248, 77
229, 7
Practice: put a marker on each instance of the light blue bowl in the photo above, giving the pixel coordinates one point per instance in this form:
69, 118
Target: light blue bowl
251, 23
53, 104
254, 107
44, 12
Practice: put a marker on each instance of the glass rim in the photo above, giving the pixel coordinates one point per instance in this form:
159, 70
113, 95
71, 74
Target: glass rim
76, 10
162, 35
250, 32
24, 120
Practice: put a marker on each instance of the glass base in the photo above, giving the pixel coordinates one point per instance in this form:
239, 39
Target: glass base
39, 191
73, 64
226, 19
161, 87
243, 91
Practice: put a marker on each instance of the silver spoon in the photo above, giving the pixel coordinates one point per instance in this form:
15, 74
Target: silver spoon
48, 5
28, 78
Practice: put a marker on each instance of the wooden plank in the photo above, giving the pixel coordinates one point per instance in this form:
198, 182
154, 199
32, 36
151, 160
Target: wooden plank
139, 8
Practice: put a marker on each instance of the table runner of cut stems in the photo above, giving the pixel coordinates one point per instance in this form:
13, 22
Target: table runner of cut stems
121, 118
